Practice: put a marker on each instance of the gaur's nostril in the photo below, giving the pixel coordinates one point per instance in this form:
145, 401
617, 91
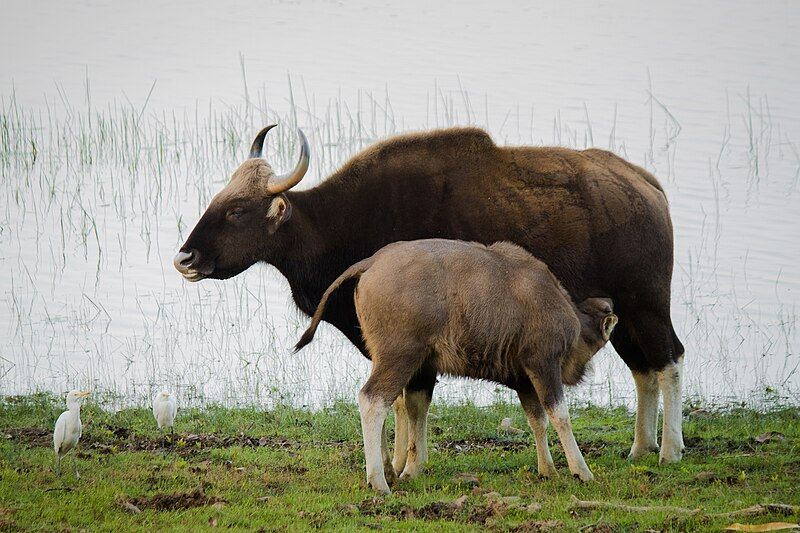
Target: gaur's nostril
184, 260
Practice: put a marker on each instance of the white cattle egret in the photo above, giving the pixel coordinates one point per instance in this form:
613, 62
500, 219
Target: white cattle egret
68, 429
164, 409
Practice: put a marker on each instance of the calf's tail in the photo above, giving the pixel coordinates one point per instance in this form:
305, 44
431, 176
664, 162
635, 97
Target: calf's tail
354, 272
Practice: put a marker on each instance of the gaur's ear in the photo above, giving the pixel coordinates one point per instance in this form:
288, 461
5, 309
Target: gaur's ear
279, 212
608, 326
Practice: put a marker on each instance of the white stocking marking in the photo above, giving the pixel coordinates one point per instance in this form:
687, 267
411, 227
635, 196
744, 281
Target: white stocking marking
373, 413
669, 380
645, 439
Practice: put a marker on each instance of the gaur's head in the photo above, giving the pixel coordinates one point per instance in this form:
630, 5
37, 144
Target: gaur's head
597, 322
236, 229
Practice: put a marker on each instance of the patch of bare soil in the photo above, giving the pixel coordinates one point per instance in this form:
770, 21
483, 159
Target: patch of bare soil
6, 520
484, 511
477, 445
119, 438
697, 445
173, 502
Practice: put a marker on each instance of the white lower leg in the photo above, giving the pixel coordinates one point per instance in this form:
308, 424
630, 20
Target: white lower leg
645, 436
417, 403
400, 435
669, 381
537, 420
544, 461
388, 469
373, 413
75, 466
559, 415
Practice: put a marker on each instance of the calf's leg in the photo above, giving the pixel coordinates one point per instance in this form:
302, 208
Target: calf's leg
417, 403
548, 387
537, 420
388, 469
378, 393
401, 423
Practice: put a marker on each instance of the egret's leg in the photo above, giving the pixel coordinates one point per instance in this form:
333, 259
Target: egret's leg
75, 466
58, 464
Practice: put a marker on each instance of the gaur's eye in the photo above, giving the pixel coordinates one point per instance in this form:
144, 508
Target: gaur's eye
235, 213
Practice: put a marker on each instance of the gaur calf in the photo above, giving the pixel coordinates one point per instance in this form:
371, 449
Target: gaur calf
464, 309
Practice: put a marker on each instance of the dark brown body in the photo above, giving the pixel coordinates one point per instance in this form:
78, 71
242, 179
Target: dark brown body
601, 224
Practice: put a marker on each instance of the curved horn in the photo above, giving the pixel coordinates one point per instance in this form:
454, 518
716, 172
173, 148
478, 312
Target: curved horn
286, 181
258, 144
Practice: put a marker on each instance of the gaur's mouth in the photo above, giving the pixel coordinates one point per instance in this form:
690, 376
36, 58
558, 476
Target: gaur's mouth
192, 275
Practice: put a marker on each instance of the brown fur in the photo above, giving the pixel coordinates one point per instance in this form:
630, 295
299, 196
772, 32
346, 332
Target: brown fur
601, 224
465, 309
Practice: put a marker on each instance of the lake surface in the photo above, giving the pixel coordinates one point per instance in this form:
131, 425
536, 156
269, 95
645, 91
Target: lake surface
119, 122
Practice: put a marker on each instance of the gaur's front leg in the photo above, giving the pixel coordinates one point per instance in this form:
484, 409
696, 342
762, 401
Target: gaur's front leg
551, 391
537, 420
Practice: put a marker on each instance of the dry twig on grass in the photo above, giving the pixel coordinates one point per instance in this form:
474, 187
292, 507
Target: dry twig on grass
755, 510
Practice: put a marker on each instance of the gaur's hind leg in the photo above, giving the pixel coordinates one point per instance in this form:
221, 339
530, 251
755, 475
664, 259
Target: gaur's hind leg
400, 435
663, 356
645, 436
417, 399
548, 387
381, 389
417, 403
388, 470
537, 420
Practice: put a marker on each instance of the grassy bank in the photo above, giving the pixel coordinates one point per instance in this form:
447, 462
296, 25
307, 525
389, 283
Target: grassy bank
291, 469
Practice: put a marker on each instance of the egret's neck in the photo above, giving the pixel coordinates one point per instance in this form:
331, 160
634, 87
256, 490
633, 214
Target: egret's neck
74, 406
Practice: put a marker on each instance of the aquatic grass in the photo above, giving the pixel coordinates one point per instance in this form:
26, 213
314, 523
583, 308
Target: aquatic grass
94, 196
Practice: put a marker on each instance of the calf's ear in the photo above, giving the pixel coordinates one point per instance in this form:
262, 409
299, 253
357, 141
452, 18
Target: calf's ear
608, 326
280, 210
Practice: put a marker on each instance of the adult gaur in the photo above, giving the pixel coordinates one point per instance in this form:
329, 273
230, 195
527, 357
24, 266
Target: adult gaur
601, 224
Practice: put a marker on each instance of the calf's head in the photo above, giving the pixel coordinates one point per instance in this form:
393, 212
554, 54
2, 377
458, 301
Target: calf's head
236, 228
597, 320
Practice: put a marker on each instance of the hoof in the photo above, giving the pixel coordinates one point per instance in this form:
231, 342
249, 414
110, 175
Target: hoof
584, 476
382, 490
548, 471
389, 473
409, 474
398, 468
666, 458
637, 452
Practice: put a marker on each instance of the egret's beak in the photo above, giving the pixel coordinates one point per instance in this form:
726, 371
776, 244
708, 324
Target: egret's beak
84, 394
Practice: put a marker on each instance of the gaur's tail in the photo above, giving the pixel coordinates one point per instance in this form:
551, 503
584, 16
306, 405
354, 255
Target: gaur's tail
354, 272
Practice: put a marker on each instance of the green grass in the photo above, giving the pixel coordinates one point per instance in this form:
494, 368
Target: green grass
307, 472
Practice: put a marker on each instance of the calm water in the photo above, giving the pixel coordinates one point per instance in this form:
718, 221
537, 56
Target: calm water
140, 111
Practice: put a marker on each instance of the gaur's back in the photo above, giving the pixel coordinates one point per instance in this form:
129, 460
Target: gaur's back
475, 306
